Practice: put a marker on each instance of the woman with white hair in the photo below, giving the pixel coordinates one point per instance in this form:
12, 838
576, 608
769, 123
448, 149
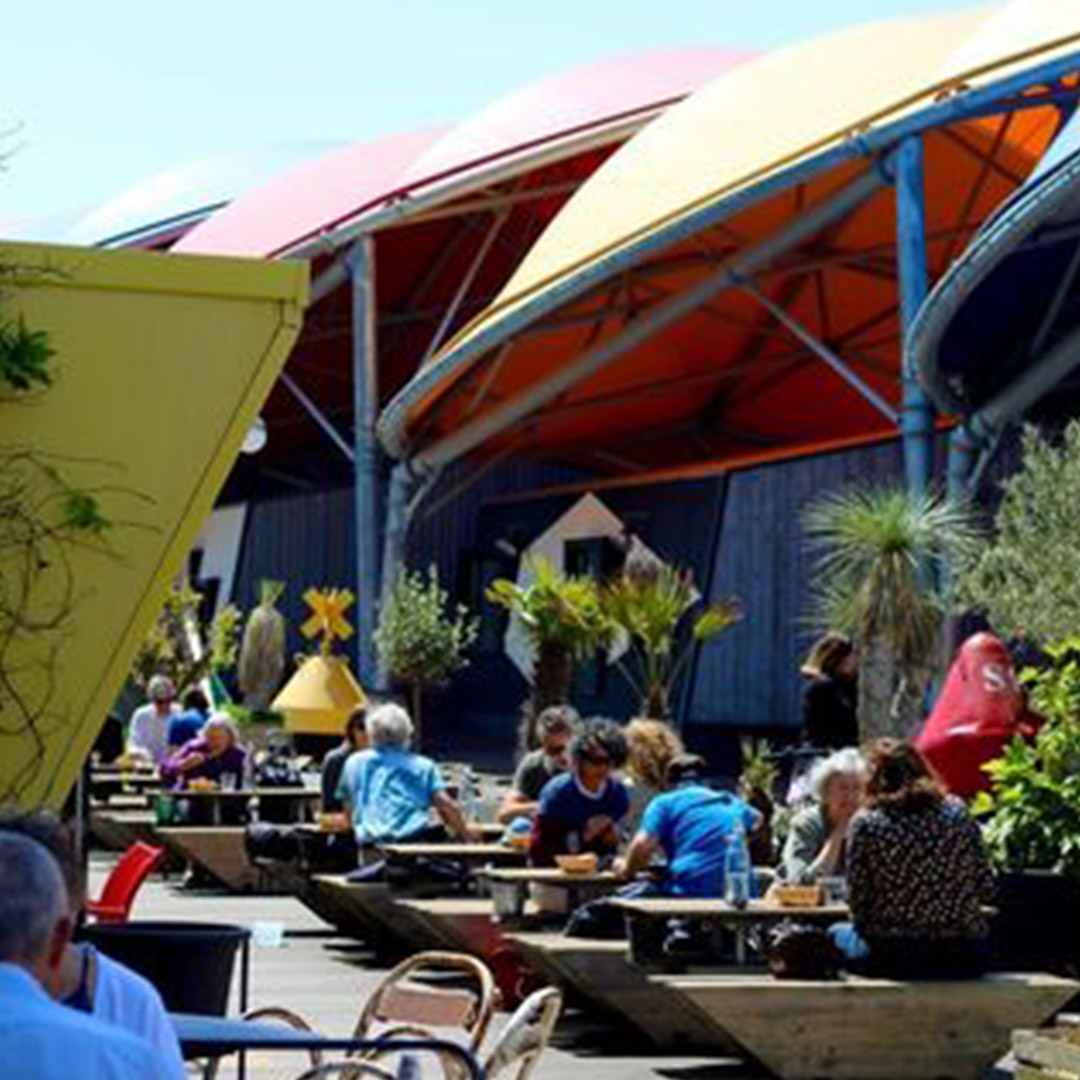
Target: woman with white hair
214, 754
389, 791
816, 845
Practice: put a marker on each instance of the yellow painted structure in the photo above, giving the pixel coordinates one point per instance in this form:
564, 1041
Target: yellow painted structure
162, 364
320, 697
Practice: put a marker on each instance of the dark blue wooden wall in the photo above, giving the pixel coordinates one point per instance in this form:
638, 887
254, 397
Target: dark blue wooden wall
741, 536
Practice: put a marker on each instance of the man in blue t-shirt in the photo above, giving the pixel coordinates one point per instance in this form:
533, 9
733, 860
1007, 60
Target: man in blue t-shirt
691, 824
389, 791
581, 810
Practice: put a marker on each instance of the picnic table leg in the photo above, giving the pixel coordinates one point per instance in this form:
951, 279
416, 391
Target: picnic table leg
740, 943
646, 938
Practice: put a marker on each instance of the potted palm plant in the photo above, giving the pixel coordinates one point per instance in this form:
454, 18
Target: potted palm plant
883, 555
649, 603
562, 616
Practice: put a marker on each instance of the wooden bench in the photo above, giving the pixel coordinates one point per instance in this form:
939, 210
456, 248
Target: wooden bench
220, 851
872, 1029
481, 853
600, 973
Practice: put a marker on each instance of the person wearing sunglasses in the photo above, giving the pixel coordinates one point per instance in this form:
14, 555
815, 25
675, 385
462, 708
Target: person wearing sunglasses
581, 810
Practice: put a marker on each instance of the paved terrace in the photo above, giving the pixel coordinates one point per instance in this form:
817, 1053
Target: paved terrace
326, 978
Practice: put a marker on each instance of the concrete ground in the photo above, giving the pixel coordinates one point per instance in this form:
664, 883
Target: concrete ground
326, 978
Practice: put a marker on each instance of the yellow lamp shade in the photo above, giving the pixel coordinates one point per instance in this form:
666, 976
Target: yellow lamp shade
320, 697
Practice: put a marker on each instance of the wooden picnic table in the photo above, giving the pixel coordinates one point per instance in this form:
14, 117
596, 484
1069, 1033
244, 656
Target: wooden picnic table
647, 917
215, 799
509, 887
461, 852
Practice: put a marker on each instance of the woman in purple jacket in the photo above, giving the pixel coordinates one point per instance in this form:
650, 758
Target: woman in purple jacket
214, 754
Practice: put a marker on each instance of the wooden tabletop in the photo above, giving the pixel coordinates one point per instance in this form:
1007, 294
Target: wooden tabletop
246, 793
708, 907
451, 850
548, 875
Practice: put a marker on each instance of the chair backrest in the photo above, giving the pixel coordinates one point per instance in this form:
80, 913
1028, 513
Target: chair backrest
525, 1037
132, 869
407, 1004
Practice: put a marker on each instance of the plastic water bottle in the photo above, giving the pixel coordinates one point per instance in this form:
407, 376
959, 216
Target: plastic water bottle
737, 869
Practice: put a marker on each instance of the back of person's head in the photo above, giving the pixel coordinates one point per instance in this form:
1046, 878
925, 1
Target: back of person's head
356, 726
196, 701
684, 768
898, 778
599, 740
389, 727
32, 900
848, 762
557, 720
46, 828
652, 746
826, 656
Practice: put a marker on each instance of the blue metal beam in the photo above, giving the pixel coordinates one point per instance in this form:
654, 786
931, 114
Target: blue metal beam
958, 469
917, 415
361, 266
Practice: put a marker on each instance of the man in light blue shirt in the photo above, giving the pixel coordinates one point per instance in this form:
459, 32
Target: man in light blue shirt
41, 1039
389, 791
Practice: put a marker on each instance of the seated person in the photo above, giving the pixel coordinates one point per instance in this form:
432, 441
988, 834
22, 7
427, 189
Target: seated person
918, 875
652, 746
389, 791
87, 979
831, 695
149, 722
40, 1039
214, 755
555, 727
582, 810
186, 725
354, 739
816, 845
981, 709
691, 824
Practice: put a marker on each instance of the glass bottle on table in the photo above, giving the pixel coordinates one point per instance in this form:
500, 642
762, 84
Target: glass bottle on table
737, 869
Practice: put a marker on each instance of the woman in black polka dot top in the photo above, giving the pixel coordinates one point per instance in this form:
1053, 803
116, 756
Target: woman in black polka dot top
918, 873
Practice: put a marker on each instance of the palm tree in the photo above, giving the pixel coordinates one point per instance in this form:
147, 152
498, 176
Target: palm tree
884, 556
562, 617
648, 602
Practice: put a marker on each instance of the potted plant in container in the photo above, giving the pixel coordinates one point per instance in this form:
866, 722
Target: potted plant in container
422, 638
1031, 822
563, 619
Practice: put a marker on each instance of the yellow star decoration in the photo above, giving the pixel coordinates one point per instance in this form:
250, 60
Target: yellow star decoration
329, 607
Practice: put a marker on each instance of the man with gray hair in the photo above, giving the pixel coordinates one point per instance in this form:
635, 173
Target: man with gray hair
389, 791
41, 1039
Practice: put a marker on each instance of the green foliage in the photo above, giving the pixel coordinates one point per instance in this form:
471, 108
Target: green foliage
759, 769
24, 356
170, 647
1025, 577
1032, 812
422, 639
649, 604
882, 553
558, 610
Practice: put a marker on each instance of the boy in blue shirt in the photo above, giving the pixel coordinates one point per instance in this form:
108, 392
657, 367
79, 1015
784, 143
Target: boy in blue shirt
581, 810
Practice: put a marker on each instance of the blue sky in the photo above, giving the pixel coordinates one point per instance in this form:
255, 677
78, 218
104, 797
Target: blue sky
101, 94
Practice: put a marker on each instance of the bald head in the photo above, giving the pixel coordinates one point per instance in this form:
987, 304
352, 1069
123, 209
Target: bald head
33, 902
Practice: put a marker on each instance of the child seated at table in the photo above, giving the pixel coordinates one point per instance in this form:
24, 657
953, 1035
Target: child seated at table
582, 810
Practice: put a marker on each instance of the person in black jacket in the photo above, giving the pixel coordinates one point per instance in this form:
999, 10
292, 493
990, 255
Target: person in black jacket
831, 695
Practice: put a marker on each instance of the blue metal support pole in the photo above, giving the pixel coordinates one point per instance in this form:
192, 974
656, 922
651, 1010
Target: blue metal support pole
361, 266
401, 495
958, 469
917, 413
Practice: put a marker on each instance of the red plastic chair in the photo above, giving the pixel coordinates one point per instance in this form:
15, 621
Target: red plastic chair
123, 884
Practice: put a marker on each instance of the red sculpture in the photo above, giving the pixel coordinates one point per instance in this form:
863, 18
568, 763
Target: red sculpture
980, 710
